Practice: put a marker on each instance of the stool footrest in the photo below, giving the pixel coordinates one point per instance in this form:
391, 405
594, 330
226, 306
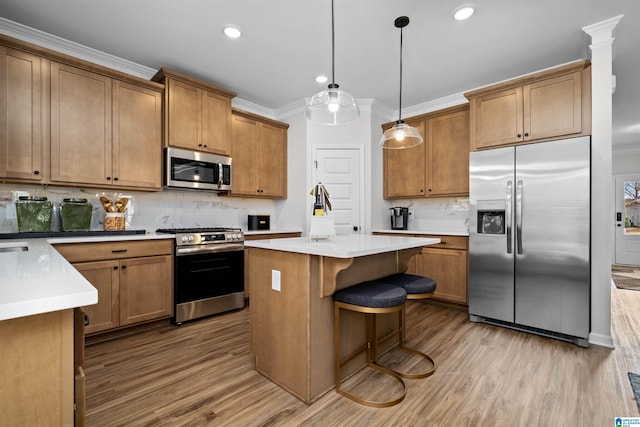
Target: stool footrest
410, 375
376, 403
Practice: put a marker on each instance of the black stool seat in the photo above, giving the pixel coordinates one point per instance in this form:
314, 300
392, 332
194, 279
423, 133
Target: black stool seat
372, 294
411, 283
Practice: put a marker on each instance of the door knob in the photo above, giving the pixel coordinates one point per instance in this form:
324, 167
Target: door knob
355, 228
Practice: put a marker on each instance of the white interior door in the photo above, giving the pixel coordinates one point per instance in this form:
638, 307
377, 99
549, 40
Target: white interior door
340, 170
627, 195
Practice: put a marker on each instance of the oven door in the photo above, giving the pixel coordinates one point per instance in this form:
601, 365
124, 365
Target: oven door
208, 275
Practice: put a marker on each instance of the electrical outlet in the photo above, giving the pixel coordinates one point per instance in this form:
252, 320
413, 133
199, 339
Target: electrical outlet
275, 280
11, 211
411, 216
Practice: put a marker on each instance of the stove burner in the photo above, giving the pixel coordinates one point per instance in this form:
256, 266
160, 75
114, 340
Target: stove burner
196, 230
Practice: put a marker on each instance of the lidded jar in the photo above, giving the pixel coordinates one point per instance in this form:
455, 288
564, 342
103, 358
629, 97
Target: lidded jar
34, 214
75, 214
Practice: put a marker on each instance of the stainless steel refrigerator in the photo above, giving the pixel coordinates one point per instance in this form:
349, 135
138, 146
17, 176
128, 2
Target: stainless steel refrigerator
529, 238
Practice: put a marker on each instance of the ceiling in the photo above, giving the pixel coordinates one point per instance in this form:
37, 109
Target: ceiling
286, 43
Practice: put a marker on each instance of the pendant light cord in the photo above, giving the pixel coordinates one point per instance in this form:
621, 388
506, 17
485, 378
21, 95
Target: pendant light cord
333, 48
400, 107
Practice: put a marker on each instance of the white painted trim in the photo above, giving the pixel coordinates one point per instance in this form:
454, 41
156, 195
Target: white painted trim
253, 108
434, 105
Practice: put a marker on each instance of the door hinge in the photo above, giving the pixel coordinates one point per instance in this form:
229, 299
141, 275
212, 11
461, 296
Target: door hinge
315, 164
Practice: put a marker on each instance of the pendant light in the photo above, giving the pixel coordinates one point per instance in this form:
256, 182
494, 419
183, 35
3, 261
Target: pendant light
401, 135
332, 106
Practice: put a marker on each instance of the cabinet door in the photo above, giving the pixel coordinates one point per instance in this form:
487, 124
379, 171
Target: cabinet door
80, 126
184, 115
137, 137
21, 141
104, 276
245, 138
145, 289
272, 161
553, 107
498, 118
216, 123
405, 169
448, 146
449, 269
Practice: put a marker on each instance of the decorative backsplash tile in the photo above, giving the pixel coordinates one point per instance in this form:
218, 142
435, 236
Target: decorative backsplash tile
149, 211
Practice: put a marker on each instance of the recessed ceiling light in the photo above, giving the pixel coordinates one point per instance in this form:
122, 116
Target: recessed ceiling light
321, 79
232, 32
463, 12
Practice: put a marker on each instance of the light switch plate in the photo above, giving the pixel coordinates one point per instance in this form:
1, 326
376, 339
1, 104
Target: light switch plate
275, 280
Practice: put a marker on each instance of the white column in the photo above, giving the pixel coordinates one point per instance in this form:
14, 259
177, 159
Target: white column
602, 202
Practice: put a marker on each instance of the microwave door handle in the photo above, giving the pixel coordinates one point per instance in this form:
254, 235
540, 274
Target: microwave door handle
508, 215
519, 192
219, 175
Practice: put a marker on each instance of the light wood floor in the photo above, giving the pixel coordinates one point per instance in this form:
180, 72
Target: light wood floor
201, 374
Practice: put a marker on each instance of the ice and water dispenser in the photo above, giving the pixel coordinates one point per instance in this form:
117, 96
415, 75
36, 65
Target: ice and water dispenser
492, 216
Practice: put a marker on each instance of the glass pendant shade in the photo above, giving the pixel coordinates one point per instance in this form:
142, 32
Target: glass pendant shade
401, 135
332, 107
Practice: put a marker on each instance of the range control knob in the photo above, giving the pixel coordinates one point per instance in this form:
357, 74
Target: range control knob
190, 238
184, 239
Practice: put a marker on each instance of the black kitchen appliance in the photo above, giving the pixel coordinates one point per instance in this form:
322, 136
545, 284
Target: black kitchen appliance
208, 271
259, 222
399, 218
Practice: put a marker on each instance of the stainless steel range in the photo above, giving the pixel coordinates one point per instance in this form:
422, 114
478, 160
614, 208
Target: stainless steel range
208, 271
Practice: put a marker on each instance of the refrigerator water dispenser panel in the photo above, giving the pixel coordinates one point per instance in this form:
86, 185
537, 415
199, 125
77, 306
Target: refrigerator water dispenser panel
491, 216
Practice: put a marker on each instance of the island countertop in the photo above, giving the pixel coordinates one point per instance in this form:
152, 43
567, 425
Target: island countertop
343, 246
39, 280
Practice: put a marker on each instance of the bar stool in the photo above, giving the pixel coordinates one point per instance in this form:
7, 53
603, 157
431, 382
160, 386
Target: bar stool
370, 298
417, 287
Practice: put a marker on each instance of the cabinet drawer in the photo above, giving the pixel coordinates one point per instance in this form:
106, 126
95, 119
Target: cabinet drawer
78, 252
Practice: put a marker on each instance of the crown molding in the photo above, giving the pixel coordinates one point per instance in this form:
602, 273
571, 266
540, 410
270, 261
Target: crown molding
434, 105
58, 44
253, 108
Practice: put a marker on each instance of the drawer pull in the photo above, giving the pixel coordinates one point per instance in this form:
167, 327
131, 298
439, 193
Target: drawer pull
118, 251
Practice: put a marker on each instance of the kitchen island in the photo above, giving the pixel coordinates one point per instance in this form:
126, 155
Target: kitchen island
292, 281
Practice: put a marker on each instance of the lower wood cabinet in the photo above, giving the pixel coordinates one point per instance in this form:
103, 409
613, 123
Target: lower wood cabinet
134, 280
446, 263
37, 370
262, 236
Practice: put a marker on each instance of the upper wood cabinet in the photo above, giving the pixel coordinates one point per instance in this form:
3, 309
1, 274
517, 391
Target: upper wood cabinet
438, 167
542, 106
259, 153
104, 132
22, 112
198, 114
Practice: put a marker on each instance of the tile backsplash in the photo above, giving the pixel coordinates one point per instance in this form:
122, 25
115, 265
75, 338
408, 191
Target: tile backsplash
149, 211
447, 213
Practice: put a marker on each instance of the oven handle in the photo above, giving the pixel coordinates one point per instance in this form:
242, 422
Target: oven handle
209, 249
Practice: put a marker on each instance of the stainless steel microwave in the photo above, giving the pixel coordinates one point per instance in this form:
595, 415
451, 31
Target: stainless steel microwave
196, 170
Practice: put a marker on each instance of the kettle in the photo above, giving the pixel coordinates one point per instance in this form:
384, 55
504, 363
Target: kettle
399, 218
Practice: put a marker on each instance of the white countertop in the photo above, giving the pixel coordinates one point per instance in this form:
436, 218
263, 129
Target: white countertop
343, 246
434, 232
40, 280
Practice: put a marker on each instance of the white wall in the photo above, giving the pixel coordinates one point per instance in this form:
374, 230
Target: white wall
626, 160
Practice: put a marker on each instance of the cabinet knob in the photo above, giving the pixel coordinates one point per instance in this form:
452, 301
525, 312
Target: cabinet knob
519, 135
355, 228
36, 172
108, 178
526, 134
115, 178
199, 145
115, 267
422, 190
124, 267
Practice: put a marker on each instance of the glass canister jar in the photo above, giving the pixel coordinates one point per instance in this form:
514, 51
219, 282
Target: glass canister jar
34, 214
75, 214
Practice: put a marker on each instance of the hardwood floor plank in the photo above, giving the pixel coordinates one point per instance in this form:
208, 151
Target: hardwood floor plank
201, 374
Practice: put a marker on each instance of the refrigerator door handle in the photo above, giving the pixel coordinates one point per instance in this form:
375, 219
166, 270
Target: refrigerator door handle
507, 214
519, 217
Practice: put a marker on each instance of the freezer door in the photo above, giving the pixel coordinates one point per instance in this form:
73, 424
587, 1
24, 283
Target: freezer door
552, 216
491, 250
